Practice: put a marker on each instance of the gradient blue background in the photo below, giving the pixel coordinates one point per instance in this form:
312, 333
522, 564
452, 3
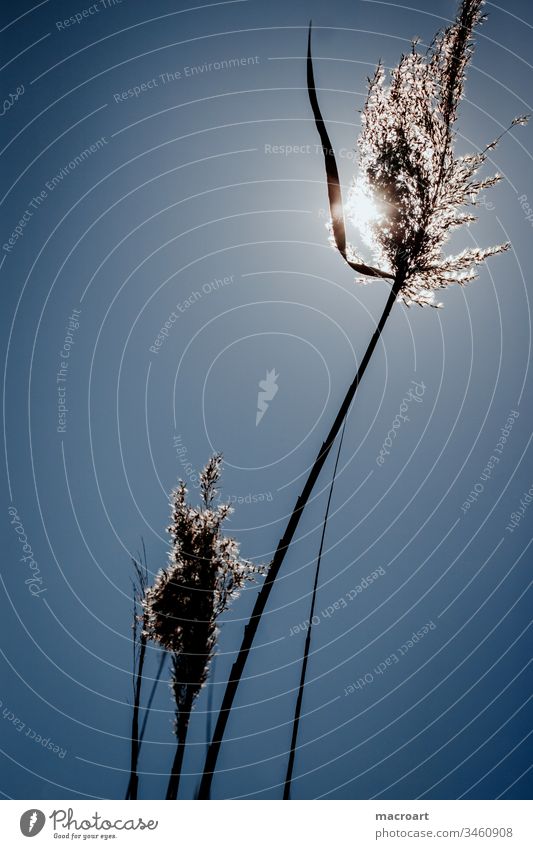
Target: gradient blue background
183, 193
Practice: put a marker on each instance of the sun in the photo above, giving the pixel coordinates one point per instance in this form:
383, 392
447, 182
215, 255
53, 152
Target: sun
363, 212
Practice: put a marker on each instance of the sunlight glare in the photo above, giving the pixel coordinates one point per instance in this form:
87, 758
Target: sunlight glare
363, 213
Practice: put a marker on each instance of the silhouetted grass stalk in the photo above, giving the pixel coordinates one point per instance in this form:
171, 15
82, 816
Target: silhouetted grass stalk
418, 188
137, 736
139, 654
183, 715
151, 697
299, 698
283, 545
133, 786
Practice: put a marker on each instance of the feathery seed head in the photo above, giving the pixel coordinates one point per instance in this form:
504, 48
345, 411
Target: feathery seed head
412, 191
203, 574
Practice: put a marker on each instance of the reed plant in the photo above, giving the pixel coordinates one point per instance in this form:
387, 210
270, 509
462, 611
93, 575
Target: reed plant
183, 605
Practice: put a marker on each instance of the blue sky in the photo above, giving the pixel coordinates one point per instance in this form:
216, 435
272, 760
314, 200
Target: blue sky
162, 162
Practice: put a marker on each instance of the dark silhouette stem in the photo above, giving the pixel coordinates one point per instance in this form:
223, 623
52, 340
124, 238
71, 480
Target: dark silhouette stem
181, 733
133, 785
136, 737
299, 699
279, 556
209, 717
151, 697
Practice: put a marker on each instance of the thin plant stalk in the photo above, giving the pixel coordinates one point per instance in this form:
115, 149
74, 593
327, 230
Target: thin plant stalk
299, 699
209, 717
182, 726
133, 786
137, 736
139, 586
279, 556
152, 696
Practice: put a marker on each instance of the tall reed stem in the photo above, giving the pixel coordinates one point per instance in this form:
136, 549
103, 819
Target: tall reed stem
151, 697
181, 733
133, 786
299, 699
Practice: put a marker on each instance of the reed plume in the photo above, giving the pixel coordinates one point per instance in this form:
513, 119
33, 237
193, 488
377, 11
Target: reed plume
411, 193
182, 606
